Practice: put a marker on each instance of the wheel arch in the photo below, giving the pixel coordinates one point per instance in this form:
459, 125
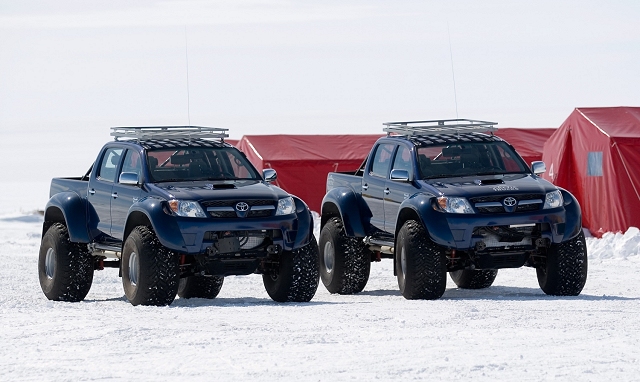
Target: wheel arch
71, 210
349, 207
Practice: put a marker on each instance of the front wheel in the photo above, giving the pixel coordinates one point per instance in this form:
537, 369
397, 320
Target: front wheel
565, 270
420, 264
200, 286
473, 279
297, 276
150, 272
65, 269
345, 263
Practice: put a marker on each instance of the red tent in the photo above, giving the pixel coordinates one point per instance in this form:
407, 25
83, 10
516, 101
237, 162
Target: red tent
595, 155
303, 161
529, 142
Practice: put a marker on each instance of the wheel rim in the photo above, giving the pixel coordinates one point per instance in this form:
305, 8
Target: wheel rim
403, 264
133, 268
50, 263
329, 256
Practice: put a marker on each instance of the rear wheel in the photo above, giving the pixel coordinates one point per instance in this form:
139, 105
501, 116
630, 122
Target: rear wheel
565, 270
296, 278
65, 269
345, 263
150, 272
473, 279
420, 264
200, 286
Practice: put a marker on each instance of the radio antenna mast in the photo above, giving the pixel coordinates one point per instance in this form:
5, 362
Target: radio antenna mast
455, 95
186, 53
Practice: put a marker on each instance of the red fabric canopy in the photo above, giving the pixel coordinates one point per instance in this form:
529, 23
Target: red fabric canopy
529, 142
595, 155
303, 161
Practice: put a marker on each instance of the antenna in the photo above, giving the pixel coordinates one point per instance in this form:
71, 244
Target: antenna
186, 53
455, 94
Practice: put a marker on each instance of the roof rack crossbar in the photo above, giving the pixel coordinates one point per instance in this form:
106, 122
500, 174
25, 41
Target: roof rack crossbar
169, 132
439, 126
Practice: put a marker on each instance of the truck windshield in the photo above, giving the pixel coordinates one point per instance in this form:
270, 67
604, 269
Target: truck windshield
199, 163
486, 158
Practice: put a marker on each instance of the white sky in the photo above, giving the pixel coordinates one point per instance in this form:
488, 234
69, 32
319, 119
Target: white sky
264, 67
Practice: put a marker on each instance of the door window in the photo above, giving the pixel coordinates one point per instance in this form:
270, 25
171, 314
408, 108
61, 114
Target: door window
109, 165
402, 160
132, 163
381, 160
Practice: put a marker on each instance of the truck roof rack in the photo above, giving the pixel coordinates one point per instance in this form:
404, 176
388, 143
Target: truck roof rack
169, 132
439, 126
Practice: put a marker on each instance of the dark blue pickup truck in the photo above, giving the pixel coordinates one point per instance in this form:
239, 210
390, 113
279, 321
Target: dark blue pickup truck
444, 196
175, 209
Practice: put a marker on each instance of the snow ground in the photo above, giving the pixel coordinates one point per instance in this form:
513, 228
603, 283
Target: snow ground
511, 331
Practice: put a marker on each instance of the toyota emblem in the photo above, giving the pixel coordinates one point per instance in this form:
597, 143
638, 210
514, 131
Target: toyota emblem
242, 207
509, 201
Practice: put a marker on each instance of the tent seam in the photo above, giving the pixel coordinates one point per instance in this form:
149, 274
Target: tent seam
627, 171
593, 123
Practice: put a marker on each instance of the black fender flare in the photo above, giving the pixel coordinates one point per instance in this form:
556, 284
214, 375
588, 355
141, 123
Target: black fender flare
155, 212
434, 222
71, 209
351, 208
305, 223
573, 215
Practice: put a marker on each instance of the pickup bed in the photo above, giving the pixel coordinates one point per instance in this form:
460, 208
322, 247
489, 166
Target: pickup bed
176, 209
442, 196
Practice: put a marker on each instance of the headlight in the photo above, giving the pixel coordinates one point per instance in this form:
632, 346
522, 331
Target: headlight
187, 208
553, 199
454, 205
286, 206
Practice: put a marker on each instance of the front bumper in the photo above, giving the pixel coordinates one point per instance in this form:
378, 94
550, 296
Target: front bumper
550, 224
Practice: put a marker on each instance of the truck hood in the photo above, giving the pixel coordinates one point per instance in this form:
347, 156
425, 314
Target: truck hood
470, 186
218, 190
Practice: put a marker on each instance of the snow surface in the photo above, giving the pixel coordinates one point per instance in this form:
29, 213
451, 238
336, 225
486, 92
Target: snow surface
510, 331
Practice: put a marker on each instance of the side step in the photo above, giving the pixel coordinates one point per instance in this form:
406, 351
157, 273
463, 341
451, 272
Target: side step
109, 250
381, 245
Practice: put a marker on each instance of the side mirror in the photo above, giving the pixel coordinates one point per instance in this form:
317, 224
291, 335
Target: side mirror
400, 175
269, 175
538, 167
129, 178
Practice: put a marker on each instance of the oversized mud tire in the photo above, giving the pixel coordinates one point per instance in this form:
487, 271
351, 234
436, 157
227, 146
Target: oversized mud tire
474, 279
200, 286
297, 277
150, 272
420, 264
565, 270
65, 269
345, 262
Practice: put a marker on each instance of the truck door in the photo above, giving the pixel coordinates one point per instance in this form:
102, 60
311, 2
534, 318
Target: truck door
396, 192
373, 182
101, 185
124, 195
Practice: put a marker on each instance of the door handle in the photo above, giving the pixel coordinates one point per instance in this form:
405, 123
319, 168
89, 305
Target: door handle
365, 187
386, 191
92, 191
114, 195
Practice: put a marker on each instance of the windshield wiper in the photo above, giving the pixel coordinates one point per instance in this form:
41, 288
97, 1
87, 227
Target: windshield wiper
439, 176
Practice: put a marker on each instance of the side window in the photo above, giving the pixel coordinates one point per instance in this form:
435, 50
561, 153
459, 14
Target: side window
109, 164
132, 163
594, 163
402, 160
381, 160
